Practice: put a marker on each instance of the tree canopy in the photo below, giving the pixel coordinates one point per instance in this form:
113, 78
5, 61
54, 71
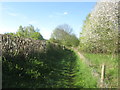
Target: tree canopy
100, 29
63, 34
28, 32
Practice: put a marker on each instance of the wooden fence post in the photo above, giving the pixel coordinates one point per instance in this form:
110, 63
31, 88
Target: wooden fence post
102, 76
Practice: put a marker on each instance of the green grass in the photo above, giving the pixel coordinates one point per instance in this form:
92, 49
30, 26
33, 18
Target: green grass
83, 75
111, 66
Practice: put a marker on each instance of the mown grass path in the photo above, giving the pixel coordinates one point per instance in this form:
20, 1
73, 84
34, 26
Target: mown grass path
90, 65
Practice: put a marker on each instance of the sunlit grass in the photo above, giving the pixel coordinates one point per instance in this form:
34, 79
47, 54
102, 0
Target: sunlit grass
111, 66
84, 75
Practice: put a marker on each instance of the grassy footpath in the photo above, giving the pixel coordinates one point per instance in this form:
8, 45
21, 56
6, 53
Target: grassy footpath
83, 75
111, 63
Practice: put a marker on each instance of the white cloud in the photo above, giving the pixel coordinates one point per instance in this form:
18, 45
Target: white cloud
12, 14
32, 22
57, 14
65, 13
5, 8
50, 16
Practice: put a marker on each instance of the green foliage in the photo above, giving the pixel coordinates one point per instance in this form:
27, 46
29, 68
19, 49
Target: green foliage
74, 40
28, 32
55, 68
50, 69
62, 35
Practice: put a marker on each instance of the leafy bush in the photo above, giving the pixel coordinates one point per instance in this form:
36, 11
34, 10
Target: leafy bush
50, 69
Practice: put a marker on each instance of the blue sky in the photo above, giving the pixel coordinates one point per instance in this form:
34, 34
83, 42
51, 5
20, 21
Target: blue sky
43, 15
